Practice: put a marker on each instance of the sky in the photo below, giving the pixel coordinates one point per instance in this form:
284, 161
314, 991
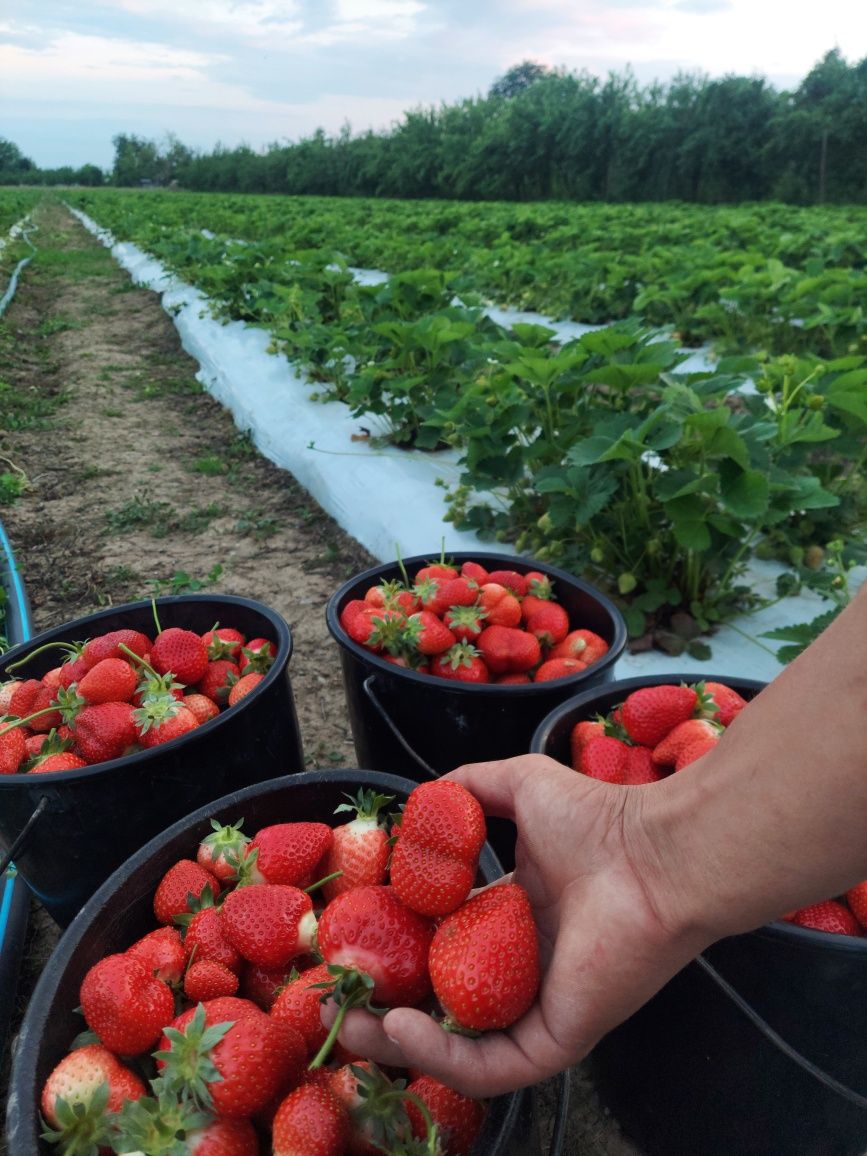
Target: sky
74, 74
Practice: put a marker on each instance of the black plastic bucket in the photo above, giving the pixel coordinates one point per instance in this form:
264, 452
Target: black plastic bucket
739, 1052
422, 727
69, 830
121, 911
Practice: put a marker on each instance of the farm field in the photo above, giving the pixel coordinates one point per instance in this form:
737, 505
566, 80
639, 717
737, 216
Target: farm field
601, 454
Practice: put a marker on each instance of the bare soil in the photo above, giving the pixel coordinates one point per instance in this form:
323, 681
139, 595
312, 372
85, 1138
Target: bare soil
140, 483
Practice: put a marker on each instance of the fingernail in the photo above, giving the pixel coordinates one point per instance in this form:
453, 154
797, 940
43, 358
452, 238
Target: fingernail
393, 1040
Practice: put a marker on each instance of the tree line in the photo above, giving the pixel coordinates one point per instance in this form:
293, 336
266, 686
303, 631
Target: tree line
543, 133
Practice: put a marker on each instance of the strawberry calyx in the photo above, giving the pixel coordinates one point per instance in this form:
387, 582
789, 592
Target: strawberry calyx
366, 804
705, 706
461, 654
195, 904
157, 707
349, 989
388, 633
53, 745
380, 1114
227, 841
188, 1067
83, 1127
259, 660
158, 1125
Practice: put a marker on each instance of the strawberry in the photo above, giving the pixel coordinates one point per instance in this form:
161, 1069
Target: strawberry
507, 650
221, 1137
484, 959
359, 849
125, 1005
286, 853
62, 761
425, 633
512, 680
109, 646
724, 703
257, 657
181, 653
828, 915
692, 751
474, 571
437, 595
856, 897
162, 718
184, 880
47, 719
223, 642
559, 668
652, 712
640, 767
583, 644
299, 1004
220, 676
311, 1121
104, 731
23, 696
500, 605
683, 735
604, 758
550, 623
268, 923
109, 680
201, 706
461, 663
511, 579
88, 1084
245, 684
539, 585
74, 671
205, 934
392, 595
465, 622
163, 954
13, 749
7, 690
262, 985
436, 855
437, 570
222, 850
207, 979
234, 1066
458, 1119
581, 734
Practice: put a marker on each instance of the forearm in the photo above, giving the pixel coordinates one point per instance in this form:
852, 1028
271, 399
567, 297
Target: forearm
775, 816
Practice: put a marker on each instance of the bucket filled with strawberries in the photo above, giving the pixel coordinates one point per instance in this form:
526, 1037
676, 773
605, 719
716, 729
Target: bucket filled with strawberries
758, 1032
115, 725
458, 659
199, 971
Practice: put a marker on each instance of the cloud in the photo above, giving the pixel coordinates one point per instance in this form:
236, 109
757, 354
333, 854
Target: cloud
699, 6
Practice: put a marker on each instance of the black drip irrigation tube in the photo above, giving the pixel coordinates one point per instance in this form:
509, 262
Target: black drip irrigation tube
14, 895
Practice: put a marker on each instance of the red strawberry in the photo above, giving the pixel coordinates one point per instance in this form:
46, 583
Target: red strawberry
219, 677
104, 731
856, 897
550, 623
311, 1121
559, 668
392, 595
22, 698
262, 985
640, 767
461, 663
13, 749
725, 704
125, 1005
238, 1065
484, 959
71, 1105
465, 622
583, 644
300, 1003
74, 670
223, 642
691, 752
7, 690
181, 653
652, 712
828, 915
205, 935
511, 579
437, 595
202, 707
288, 853
507, 650
269, 923
581, 734
47, 719
435, 858
182, 880
475, 571
162, 718
500, 605
109, 680
436, 570
359, 849
257, 657
109, 646
162, 953
458, 1119
425, 633
223, 1138
62, 761
604, 758
539, 585
207, 979
221, 851
245, 684
694, 730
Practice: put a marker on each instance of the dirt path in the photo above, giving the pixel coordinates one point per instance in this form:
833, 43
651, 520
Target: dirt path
140, 483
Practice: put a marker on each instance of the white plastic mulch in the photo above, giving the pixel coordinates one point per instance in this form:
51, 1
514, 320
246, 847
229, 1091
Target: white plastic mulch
386, 498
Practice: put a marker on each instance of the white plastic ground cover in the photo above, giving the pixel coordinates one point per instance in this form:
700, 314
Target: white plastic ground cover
19, 229
388, 499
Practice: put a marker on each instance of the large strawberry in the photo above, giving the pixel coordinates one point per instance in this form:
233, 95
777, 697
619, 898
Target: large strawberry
651, 712
484, 960
500, 605
829, 915
269, 923
604, 757
549, 622
440, 838
508, 650
116, 644
163, 954
105, 731
359, 848
13, 748
686, 734
223, 642
205, 934
207, 979
722, 704
180, 652
288, 853
311, 1121
583, 644
299, 1004
125, 1005
184, 880
88, 1084
461, 663
109, 680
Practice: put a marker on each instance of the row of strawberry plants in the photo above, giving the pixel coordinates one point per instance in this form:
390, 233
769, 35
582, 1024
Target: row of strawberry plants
597, 455
773, 276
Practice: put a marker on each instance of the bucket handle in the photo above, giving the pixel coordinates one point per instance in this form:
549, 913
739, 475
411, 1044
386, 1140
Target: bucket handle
23, 837
392, 726
777, 1040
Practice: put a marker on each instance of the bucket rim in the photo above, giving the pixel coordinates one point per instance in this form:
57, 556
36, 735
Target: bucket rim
805, 937
511, 562
58, 778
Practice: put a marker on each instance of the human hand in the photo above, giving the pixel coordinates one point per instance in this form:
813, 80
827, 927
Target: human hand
608, 937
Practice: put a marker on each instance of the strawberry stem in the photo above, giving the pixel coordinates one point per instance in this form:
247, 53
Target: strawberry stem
20, 722
330, 1040
321, 882
137, 658
156, 616
401, 567
70, 648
